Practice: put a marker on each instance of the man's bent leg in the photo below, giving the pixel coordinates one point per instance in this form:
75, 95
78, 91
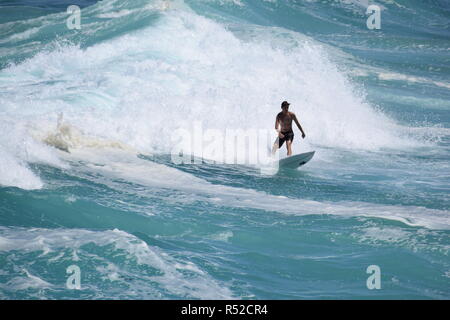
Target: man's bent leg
289, 147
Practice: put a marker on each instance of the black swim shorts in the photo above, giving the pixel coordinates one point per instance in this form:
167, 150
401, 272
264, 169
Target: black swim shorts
288, 135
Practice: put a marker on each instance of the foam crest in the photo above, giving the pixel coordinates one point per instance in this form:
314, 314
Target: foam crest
153, 85
15, 173
18, 149
28, 281
138, 88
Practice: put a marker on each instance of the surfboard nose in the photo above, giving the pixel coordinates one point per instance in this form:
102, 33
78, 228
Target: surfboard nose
296, 160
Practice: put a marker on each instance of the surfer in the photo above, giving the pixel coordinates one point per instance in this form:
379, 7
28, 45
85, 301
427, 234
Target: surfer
285, 133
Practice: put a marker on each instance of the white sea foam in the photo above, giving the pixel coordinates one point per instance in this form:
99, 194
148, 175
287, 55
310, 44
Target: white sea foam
222, 236
14, 172
17, 150
26, 282
181, 278
422, 239
403, 77
115, 14
21, 35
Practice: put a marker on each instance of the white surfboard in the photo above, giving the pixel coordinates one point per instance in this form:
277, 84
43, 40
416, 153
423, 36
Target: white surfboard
295, 161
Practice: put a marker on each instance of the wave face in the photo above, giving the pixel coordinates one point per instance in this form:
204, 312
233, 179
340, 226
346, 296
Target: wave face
86, 127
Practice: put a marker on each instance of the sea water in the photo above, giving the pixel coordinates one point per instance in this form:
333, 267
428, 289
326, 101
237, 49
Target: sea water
374, 104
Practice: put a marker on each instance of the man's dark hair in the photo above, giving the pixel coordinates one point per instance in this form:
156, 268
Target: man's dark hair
285, 104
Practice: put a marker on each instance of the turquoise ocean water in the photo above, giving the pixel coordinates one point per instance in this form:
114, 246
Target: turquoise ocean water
375, 106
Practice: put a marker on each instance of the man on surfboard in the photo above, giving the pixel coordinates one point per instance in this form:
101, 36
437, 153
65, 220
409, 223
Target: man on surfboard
285, 133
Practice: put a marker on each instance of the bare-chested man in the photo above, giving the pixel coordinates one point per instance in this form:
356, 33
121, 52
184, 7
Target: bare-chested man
285, 133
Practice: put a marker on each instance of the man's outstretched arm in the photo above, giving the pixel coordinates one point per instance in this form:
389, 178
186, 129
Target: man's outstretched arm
299, 126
